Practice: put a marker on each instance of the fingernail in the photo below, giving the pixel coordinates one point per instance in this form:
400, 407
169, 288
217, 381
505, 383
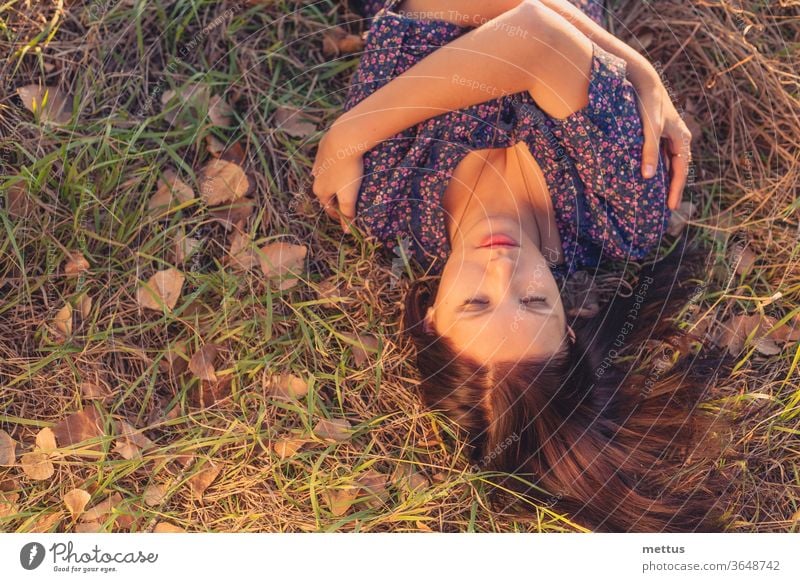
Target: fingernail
649, 171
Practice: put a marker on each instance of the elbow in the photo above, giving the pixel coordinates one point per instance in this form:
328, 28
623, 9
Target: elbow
535, 21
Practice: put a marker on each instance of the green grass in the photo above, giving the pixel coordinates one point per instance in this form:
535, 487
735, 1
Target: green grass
89, 183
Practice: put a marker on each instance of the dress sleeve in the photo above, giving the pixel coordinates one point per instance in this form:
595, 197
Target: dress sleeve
622, 214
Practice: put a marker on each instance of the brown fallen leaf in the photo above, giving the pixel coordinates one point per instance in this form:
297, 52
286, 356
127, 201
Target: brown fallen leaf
92, 391
134, 435
732, 334
88, 527
166, 527
78, 427
222, 181
63, 320
210, 393
362, 345
185, 247
172, 191
336, 41
287, 447
8, 504
242, 255
291, 121
337, 429
127, 450
202, 363
235, 214
161, 291
102, 508
75, 264
154, 494
85, 305
18, 202
374, 485
46, 440
48, 104
219, 112
75, 501
281, 259
37, 465
743, 258
8, 449
202, 480
289, 387
340, 500
45, 522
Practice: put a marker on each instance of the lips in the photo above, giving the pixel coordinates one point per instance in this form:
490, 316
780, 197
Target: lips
498, 240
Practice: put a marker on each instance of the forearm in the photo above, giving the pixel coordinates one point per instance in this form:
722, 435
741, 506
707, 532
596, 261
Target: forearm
508, 54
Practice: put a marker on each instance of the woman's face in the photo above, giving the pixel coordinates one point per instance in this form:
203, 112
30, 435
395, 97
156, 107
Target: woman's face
497, 299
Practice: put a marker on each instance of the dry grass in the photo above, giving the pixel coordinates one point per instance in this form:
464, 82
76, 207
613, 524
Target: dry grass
89, 183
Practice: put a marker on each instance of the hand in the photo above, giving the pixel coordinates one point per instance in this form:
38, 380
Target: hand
660, 118
338, 169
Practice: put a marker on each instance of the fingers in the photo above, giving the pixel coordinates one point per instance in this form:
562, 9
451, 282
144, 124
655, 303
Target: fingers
652, 127
680, 159
347, 203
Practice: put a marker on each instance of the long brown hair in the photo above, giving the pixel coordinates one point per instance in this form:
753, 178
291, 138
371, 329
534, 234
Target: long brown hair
605, 436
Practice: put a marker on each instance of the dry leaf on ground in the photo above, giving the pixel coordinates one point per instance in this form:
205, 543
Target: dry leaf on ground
162, 290
281, 260
37, 465
336, 41
287, 447
18, 201
75, 264
222, 182
154, 494
362, 345
733, 333
201, 481
291, 121
46, 440
340, 500
219, 112
8, 504
166, 527
337, 429
242, 254
202, 363
289, 386
102, 508
92, 391
63, 320
374, 485
78, 427
48, 104
75, 501
172, 191
8, 449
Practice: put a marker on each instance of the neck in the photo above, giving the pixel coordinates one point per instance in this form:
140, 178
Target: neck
489, 183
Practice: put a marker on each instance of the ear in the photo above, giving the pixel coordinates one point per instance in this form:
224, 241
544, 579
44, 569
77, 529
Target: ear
571, 334
427, 322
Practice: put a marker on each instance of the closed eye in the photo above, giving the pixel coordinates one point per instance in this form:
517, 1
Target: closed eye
535, 299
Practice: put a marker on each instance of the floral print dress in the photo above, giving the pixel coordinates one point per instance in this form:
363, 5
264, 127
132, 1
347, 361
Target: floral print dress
591, 160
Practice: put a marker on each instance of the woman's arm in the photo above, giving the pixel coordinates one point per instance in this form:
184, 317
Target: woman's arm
527, 48
658, 113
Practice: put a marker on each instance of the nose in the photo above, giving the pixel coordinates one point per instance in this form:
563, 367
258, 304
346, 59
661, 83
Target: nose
501, 266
